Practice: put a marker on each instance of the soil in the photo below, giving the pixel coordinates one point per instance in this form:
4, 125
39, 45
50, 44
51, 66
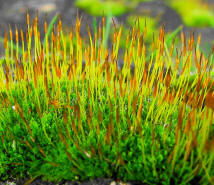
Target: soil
13, 13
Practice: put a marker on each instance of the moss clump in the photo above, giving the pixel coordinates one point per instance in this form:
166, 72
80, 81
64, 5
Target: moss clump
105, 7
194, 13
100, 8
62, 118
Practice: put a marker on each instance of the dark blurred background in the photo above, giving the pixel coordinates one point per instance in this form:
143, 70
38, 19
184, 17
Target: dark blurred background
194, 15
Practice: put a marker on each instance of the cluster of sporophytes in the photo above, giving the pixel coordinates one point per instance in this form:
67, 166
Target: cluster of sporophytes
62, 118
151, 24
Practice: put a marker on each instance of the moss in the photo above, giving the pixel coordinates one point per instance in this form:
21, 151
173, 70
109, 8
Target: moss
194, 12
200, 18
103, 7
103, 122
100, 8
151, 24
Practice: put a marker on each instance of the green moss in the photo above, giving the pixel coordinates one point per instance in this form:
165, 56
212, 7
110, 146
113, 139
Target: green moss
129, 145
200, 18
100, 8
102, 122
104, 7
194, 13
